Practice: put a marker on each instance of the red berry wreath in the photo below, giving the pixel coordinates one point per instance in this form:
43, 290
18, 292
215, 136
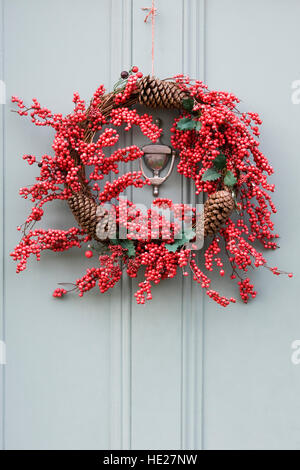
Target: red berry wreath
218, 151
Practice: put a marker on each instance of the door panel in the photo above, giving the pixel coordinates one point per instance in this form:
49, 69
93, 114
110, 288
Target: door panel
57, 373
251, 386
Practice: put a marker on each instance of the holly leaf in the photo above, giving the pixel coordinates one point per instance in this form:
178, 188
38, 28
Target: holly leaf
230, 179
126, 244
178, 242
186, 124
129, 246
188, 104
198, 125
211, 175
172, 246
220, 161
188, 235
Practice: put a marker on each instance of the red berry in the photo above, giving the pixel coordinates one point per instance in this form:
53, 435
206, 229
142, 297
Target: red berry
88, 253
135, 69
139, 74
290, 274
222, 272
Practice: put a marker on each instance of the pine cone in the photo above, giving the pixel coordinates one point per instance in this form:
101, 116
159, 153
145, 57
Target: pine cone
217, 210
156, 93
84, 210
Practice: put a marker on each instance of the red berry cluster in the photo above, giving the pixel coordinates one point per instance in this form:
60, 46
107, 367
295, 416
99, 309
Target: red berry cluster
36, 241
144, 292
81, 140
246, 290
59, 292
36, 214
123, 96
131, 117
107, 275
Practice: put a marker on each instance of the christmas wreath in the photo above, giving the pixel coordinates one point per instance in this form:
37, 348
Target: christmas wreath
218, 151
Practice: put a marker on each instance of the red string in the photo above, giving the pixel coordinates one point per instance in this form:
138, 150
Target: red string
152, 13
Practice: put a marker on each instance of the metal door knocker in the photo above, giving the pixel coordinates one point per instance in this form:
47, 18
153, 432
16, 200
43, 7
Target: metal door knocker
156, 157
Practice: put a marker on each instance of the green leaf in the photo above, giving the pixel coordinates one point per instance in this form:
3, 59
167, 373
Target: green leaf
178, 242
188, 104
186, 124
126, 244
220, 161
172, 246
129, 246
120, 84
230, 179
198, 125
188, 235
211, 175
